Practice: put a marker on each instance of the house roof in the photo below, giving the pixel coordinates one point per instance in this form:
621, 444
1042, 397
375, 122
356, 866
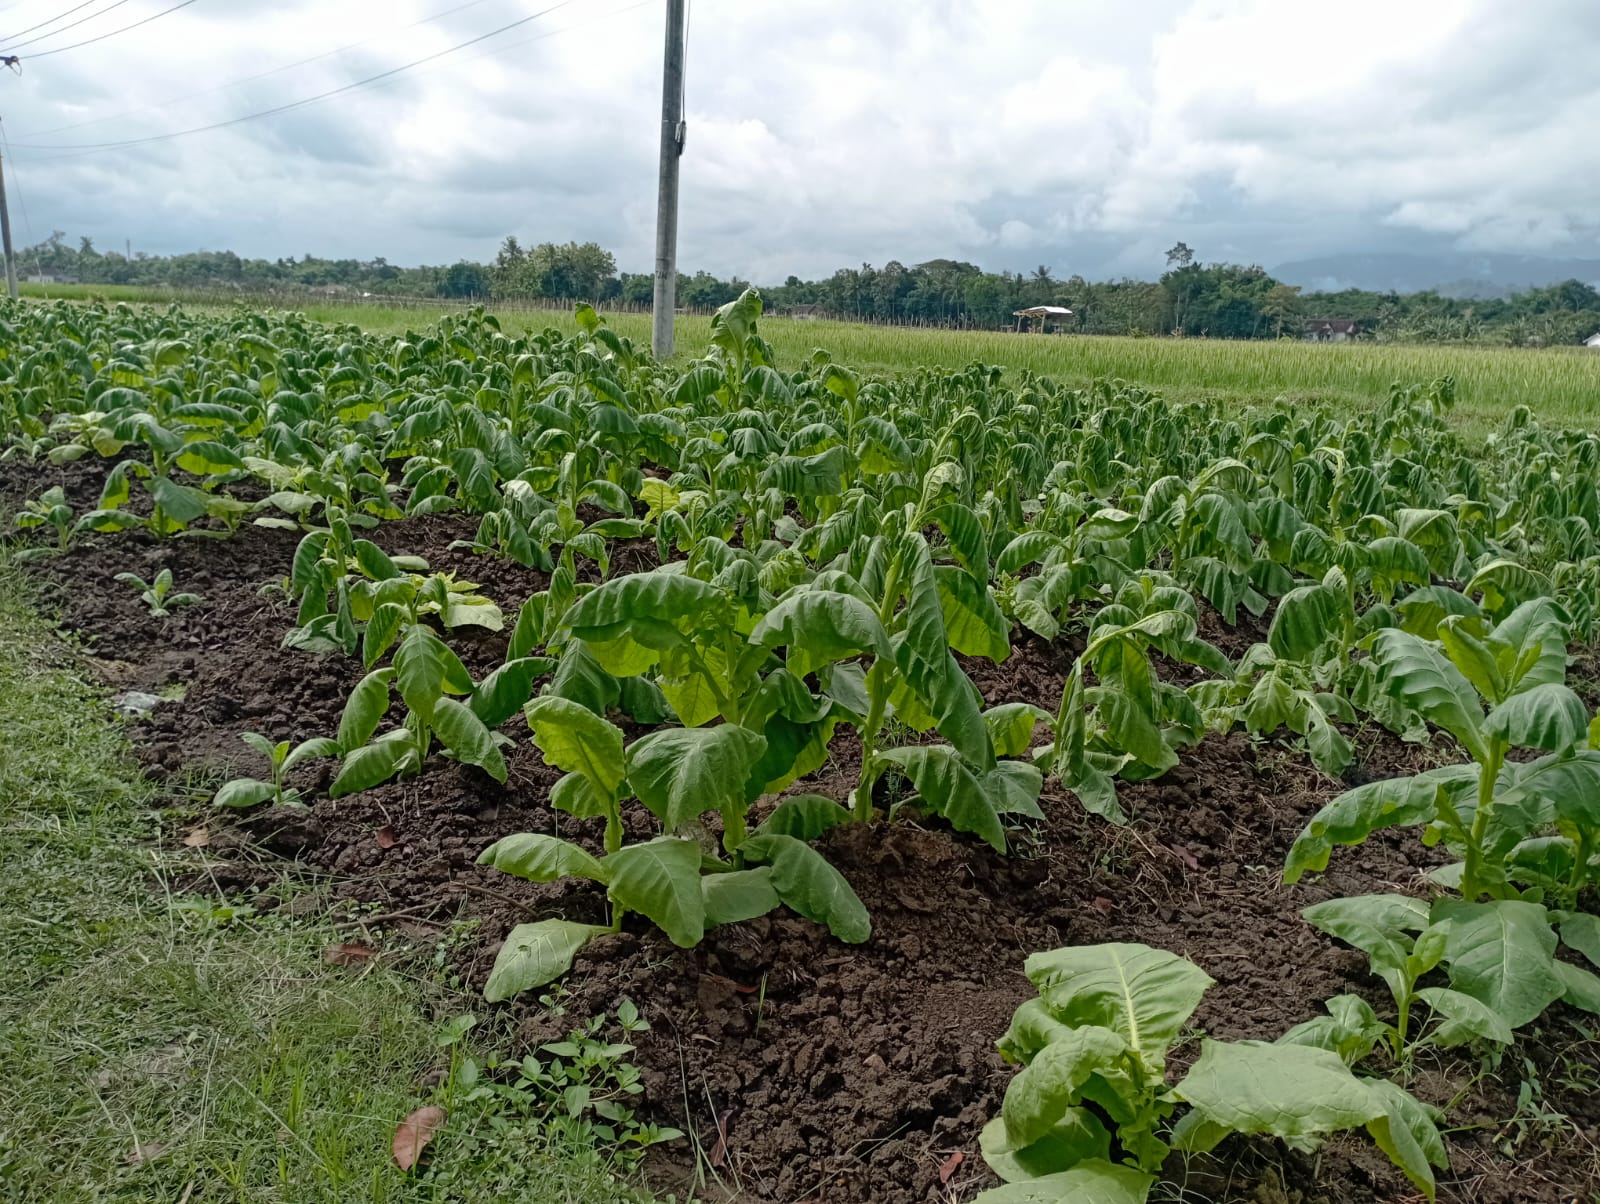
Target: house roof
1043, 311
1593, 340
1338, 325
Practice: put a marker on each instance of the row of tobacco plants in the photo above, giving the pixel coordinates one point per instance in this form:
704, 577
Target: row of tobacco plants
826, 545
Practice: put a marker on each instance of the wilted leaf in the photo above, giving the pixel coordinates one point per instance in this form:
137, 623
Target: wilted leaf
414, 1133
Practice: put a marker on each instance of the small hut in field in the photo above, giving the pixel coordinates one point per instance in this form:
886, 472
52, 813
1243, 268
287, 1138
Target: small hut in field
1040, 318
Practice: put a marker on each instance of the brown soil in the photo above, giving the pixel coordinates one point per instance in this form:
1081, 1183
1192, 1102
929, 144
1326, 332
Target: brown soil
838, 1074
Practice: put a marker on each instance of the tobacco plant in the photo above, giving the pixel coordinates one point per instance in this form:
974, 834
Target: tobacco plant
1087, 1117
282, 757
157, 593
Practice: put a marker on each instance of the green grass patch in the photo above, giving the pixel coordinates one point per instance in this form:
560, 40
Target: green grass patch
169, 1047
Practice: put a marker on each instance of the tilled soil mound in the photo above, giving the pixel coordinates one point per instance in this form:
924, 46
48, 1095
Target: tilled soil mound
806, 1069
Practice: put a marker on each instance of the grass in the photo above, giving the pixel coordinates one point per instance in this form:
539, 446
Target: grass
1561, 384
173, 1047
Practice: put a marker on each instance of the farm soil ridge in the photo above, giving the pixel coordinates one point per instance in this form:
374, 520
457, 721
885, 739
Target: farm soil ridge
826, 1072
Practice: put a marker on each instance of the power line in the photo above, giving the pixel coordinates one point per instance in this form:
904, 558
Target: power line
285, 108
15, 46
305, 62
112, 34
52, 20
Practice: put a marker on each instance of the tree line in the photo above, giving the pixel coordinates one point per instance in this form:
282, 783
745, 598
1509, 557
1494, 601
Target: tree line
1190, 298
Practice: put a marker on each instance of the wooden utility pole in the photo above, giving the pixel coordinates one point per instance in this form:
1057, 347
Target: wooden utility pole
5, 236
672, 131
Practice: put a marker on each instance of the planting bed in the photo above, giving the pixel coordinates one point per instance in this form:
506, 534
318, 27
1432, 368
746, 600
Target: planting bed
809, 1070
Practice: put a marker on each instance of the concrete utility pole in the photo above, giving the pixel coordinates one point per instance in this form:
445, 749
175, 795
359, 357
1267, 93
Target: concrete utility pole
5, 236
672, 131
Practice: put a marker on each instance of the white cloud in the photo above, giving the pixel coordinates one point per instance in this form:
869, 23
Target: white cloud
822, 134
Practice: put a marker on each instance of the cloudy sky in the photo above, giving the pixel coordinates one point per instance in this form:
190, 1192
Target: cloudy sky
1083, 134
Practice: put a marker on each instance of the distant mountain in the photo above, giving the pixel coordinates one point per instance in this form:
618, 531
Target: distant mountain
1455, 275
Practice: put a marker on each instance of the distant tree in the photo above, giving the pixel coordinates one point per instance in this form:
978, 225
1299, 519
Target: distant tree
1180, 256
465, 279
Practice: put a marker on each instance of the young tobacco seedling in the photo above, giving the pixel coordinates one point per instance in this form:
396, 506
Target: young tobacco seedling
49, 509
1093, 1045
1499, 957
282, 757
157, 594
1529, 822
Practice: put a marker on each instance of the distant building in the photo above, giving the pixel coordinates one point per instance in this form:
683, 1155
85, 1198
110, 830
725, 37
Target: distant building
1593, 341
52, 278
1045, 315
805, 313
1332, 330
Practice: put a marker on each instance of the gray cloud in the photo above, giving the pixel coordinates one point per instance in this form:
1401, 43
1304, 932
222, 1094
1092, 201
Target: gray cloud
1081, 135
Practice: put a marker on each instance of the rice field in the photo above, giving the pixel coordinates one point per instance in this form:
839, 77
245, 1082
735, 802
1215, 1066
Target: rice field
1562, 384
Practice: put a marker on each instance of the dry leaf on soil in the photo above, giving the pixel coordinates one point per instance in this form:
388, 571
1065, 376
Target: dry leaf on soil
948, 1167
348, 955
414, 1134
385, 837
198, 839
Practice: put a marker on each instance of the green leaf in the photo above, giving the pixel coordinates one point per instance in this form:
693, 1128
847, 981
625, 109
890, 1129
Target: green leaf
540, 858
1355, 814
1306, 619
1011, 727
364, 709
947, 786
1581, 931
464, 734
681, 773
1407, 1134
364, 768
319, 746
387, 620
507, 690
819, 627
575, 739
651, 597
1465, 1019
1415, 672
740, 895
807, 884
1144, 995
1288, 1091
804, 816
420, 668
661, 881
1381, 926
1501, 953
244, 792
973, 622
1549, 717
1581, 988
1130, 728
180, 503
1039, 1097
1077, 1137
1092, 1182
923, 654
536, 954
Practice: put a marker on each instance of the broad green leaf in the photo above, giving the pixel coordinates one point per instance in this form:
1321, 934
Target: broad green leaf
381, 631
575, 739
1581, 931
1092, 1182
1415, 672
1131, 729
581, 678
317, 746
1077, 1137
1549, 717
180, 503
740, 895
1381, 926
656, 596
1306, 619
540, 858
681, 773
376, 763
1145, 995
661, 881
973, 623
948, 786
1013, 788
1581, 988
819, 627
244, 792
580, 797
1355, 814
1011, 727
1407, 1134
1288, 1091
1350, 1029
464, 734
507, 690
1039, 1097
536, 954
420, 666
807, 884
1502, 954
364, 709
1465, 1019
804, 816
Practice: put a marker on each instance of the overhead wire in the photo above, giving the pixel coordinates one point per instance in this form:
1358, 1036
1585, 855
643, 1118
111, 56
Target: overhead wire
305, 62
52, 20
87, 147
113, 33
13, 47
